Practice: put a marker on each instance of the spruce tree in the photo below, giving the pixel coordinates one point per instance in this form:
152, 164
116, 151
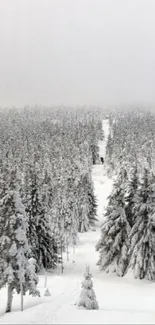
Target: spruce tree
40, 237
87, 207
15, 268
33, 208
109, 152
70, 223
142, 236
47, 249
87, 297
94, 150
131, 194
92, 204
4, 178
114, 243
47, 241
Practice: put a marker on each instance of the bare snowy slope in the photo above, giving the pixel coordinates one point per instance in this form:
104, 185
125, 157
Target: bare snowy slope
121, 300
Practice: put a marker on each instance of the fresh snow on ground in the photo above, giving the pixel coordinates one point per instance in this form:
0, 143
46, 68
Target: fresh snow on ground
121, 300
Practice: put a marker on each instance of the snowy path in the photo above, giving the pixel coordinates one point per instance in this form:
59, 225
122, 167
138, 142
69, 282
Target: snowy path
121, 300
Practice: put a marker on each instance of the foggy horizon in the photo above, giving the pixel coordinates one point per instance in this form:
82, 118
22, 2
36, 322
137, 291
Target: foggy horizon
77, 52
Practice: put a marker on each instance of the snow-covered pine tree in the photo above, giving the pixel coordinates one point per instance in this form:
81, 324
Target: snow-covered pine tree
4, 178
58, 224
31, 278
47, 249
48, 181
114, 243
48, 242
92, 204
87, 297
47, 293
109, 152
109, 146
94, 150
142, 236
83, 210
131, 193
15, 268
86, 203
70, 224
39, 231
32, 204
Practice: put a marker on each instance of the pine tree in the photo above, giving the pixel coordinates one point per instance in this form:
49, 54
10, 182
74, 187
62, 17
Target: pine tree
92, 205
130, 195
47, 241
15, 268
86, 203
109, 152
70, 223
94, 150
58, 225
4, 178
114, 244
87, 297
142, 237
39, 231
33, 207
47, 250
47, 293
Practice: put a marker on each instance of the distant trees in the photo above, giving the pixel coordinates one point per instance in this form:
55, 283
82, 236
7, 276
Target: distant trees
131, 139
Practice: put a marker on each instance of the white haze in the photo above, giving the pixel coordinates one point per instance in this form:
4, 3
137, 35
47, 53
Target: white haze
75, 52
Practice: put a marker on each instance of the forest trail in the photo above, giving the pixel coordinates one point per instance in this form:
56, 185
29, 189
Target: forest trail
85, 251
102, 183
121, 300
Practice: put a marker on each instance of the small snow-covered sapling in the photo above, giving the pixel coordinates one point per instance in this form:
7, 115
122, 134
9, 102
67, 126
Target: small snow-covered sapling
87, 297
47, 293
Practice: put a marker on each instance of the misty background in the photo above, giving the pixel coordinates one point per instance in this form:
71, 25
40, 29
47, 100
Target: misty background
77, 52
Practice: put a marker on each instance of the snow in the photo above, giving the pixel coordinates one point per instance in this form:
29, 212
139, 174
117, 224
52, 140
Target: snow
121, 300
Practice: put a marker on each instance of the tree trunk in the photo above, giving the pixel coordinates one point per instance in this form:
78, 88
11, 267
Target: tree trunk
62, 267
21, 294
45, 284
10, 298
67, 249
45, 270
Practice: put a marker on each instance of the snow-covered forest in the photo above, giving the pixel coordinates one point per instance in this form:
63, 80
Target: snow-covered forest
77, 162
46, 190
62, 207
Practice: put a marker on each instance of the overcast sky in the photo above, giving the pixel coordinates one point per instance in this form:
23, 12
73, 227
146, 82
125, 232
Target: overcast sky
77, 52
